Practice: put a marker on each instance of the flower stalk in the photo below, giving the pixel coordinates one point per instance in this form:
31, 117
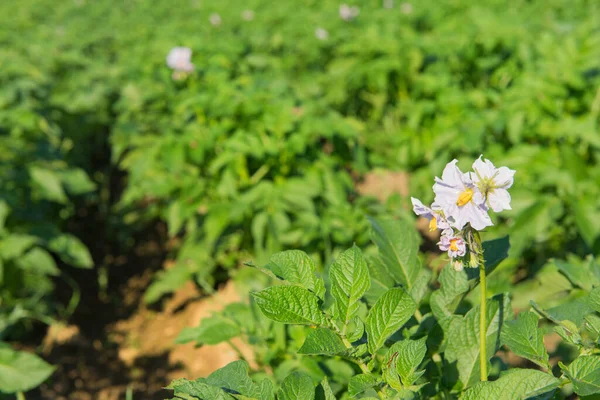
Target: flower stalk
460, 210
482, 324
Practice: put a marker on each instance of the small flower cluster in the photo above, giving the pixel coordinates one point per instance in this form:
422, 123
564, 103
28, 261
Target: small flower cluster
321, 34
461, 205
179, 60
348, 13
215, 19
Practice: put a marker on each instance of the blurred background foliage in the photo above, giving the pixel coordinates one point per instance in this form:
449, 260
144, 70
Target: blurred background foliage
261, 148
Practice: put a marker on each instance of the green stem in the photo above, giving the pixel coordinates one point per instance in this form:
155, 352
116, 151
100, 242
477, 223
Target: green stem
20, 396
237, 350
362, 365
482, 324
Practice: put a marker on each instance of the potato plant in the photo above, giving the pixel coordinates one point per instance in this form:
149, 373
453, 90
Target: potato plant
380, 326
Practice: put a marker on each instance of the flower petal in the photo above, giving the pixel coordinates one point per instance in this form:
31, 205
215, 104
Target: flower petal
499, 200
476, 216
419, 208
483, 169
451, 175
504, 177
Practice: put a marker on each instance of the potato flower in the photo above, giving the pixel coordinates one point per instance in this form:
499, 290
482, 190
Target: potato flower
321, 34
461, 205
460, 199
454, 245
247, 15
215, 19
348, 13
433, 214
179, 59
493, 183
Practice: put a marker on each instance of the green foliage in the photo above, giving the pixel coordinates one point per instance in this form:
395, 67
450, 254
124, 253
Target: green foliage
514, 384
393, 309
349, 278
21, 371
399, 346
260, 150
584, 372
524, 338
290, 305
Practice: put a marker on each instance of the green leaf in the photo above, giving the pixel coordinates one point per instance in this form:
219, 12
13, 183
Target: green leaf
361, 382
584, 372
296, 386
212, 330
584, 211
290, 305
403, 359
199, 389
349, 277
267, 391
322, 341
445, 300
297, 267
71, 250
388, 314
76, 181
167, 281
577, 274
594, 299
421, 286
15, 245
574, 310
524, 338
234, 378
21, 371
324, 391
39, 261
49, 184
4, 211
515, 384
398, 245
462, 348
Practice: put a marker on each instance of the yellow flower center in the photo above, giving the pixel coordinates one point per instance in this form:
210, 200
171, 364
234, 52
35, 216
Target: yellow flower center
453, 245
464, 197
432, 224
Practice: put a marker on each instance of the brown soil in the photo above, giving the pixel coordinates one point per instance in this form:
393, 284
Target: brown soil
383, 183
136, 353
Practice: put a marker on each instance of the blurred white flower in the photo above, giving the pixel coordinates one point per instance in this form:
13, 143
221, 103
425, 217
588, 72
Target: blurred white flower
348, 13
179, 59
215, 19
388, 4
493, 182
454, 245
321, 34
247, 15
433, 214
406, 8
460, 199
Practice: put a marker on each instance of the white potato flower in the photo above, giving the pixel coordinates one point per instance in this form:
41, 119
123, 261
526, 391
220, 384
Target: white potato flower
215, 19
493, 183
248, 15
460, 199
433, 214
454, 245
179, 59
321, 34
348, 13
406, 8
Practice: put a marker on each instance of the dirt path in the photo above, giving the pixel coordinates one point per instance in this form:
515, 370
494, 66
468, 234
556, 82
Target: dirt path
136, 353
